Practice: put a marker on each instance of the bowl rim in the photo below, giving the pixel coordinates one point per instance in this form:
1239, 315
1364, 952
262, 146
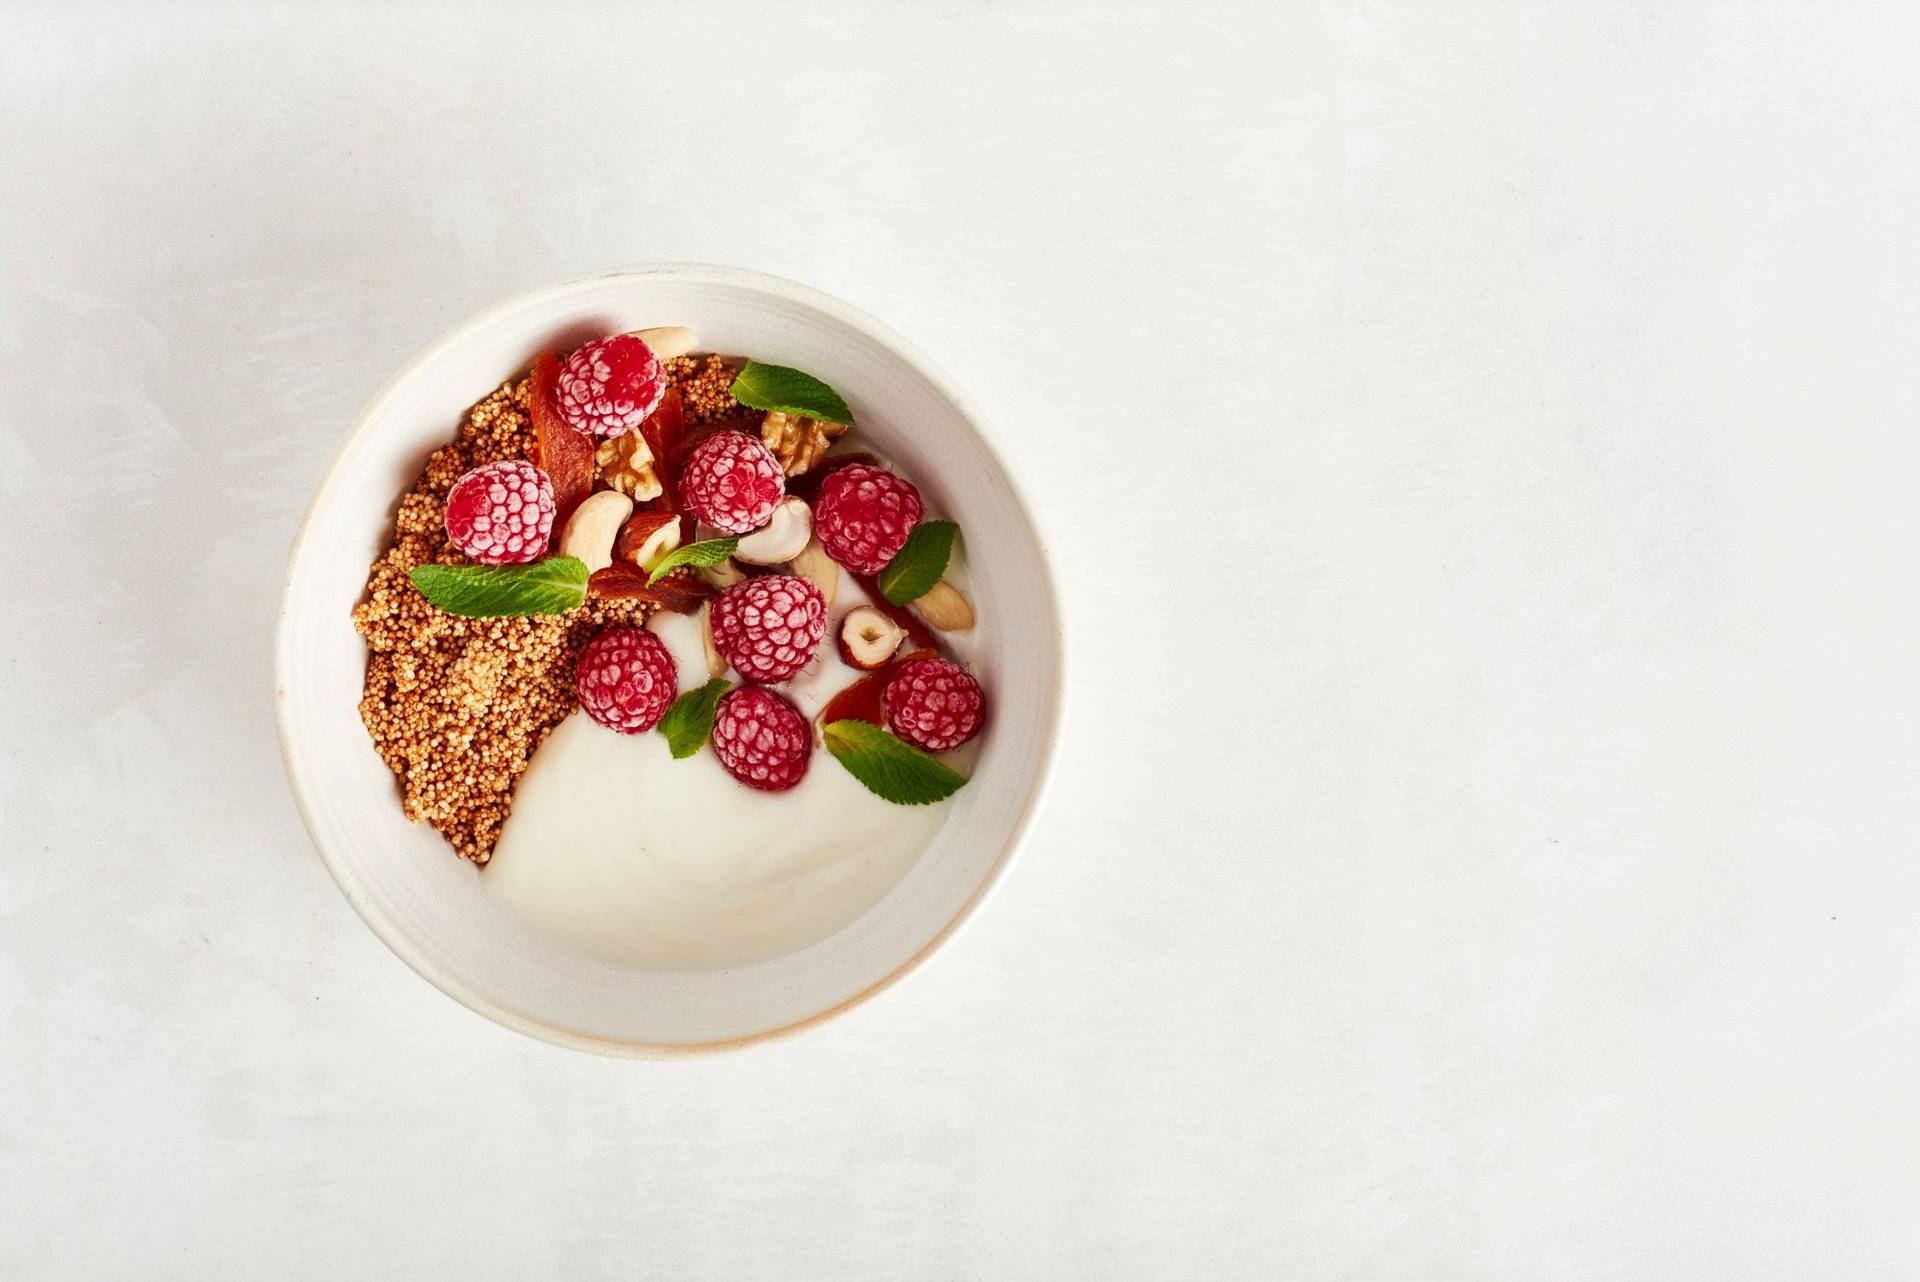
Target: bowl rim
390, 934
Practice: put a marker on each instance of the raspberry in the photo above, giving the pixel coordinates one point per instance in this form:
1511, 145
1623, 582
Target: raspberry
863, 516
732, 482
934, 704
625, 679
501, 514
607, 387
761, 739
768, 627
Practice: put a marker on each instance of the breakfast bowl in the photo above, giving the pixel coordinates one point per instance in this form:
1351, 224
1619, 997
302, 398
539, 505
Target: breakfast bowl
430, 907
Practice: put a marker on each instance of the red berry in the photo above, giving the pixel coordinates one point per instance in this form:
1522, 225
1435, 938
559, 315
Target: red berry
625, 679
607, 387
768, 627
732, 482
501, 514
934, 704
863, 516
761, 739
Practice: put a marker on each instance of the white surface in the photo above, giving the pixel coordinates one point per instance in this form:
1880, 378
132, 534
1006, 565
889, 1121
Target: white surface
1527, 891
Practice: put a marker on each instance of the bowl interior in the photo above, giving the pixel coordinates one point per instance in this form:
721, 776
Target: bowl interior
427, 904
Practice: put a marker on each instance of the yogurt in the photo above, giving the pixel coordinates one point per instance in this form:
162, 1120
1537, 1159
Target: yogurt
616, 849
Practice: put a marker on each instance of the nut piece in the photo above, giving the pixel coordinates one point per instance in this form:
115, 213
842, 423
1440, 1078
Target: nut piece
796, 440
784, 536
723, 575
943, 607
593, 527
816, 567
655, 546
626, 463
716, 666
667, 341
869, 638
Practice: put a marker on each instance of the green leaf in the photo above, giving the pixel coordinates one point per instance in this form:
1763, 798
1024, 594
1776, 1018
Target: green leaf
705, 552
552, 586
892, 770
690, 720
919, 563
775, 387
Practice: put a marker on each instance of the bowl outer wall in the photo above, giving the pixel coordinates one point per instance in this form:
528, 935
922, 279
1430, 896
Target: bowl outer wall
427, 906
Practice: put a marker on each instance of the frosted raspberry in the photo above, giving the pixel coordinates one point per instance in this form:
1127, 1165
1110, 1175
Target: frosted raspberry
863, 516
607, 387
625, 679
732, 482
768, 627
934, 704
761, 739
501, 514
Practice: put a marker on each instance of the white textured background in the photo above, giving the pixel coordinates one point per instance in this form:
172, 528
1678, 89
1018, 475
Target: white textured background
1479, 445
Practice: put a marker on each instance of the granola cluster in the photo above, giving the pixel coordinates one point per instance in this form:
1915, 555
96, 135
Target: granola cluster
457, 706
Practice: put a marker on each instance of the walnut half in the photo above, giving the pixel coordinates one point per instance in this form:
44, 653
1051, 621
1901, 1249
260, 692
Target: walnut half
627, 465
796, 440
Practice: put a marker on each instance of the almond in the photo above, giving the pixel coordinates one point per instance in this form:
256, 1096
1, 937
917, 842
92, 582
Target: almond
716, 666
944, 607
647, 547
816, 567
724, 575
640, 527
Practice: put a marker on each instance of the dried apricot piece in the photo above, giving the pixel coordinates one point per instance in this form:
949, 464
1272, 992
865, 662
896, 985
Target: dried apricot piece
564, 454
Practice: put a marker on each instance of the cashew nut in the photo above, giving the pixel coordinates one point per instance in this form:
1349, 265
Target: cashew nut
782, 538
593, 526
667, 341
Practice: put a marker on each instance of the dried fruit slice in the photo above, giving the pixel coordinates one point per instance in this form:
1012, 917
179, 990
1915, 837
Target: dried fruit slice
562, 453
682, 591
861, 700
665, 432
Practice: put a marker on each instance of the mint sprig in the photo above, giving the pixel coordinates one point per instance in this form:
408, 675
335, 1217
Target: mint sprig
891, 769
705, 552
690, 719
919, 563
775, 387
553, 586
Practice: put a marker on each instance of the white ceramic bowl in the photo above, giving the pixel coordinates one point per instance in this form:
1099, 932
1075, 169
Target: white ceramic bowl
426, 903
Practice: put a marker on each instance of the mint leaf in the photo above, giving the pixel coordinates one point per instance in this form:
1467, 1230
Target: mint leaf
552, 586
892, 770
705, 552
690, 720
775, 387
919, 563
